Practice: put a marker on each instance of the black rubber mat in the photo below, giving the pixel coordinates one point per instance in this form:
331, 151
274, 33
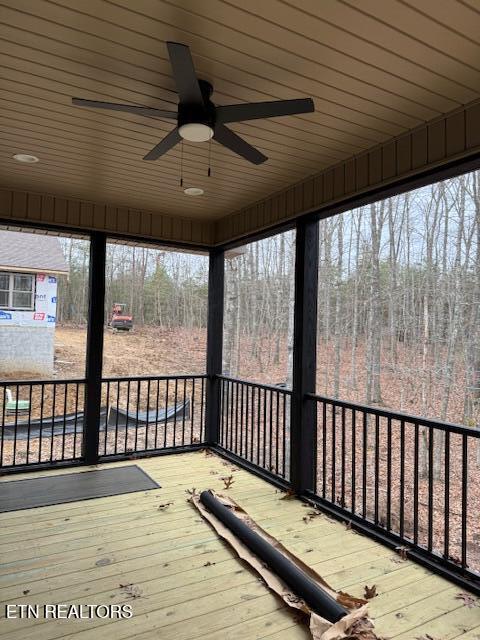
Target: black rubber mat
57, 489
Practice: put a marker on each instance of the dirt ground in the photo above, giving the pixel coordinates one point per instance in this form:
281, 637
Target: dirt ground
143, 351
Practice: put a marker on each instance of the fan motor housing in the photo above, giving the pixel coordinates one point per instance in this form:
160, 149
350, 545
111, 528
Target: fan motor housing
188, 113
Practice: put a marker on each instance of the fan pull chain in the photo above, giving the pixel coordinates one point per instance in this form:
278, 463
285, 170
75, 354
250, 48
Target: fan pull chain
209, 172
181, 165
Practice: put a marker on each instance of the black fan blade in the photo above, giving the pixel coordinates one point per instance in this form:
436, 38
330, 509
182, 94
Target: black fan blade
229, 139
184, 74
127, 108
164, 145
255, 110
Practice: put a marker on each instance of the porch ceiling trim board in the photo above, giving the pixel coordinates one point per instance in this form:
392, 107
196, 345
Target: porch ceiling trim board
81, 215
453, 137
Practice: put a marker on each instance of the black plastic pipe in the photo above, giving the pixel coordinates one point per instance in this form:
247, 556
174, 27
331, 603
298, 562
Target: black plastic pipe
317, 599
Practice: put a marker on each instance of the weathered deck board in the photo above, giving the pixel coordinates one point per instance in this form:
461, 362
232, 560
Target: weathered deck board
191, 584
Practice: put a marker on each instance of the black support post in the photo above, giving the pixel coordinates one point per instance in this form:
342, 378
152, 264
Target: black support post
303, 427
93, 387
214, 344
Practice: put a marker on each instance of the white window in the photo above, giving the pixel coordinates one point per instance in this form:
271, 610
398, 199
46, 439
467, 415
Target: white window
17, 291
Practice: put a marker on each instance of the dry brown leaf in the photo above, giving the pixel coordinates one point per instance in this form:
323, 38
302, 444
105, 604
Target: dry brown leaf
370, 592
310, 516
288, 495
162, 507
467, 599
227, 481
131, 590
402, 552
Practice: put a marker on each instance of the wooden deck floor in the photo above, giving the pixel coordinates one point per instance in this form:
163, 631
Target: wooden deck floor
187, 583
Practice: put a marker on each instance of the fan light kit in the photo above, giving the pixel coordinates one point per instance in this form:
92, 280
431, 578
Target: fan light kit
195, 132
193, 191
25, 157
198, 119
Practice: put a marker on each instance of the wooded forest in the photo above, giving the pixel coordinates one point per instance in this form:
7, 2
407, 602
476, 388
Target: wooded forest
160, 287
398, 303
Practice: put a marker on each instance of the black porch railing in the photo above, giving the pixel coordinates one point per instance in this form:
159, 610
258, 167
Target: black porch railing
413, 479
41, 422
148, 414
255, 424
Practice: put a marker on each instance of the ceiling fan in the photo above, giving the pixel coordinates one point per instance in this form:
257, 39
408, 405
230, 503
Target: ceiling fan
198, 119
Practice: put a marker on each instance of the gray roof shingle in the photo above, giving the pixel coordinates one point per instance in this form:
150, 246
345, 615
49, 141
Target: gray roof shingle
19, 250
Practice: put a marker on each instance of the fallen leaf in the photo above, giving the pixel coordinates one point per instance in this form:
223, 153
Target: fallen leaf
132, 590
467, 599
162, 507
227, 481
402, 552
370, 592
26, 592
288, 495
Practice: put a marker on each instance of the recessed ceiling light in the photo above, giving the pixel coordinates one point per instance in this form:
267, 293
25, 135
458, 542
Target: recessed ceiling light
193, 191
25, 157
195, 132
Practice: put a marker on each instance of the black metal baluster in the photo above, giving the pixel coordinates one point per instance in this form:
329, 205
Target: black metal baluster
270, 429
247, 420
54, 409
377, 464
174, 443
415, 484
264, 459
184, 407
259, 409
165, 425
137, 411
252, 422
464, 499
116, 418
147, 424
107, 405
354, 459
192, 410
334, 452
402, 479
343, 459
232, 404
30, 388
40, 435
75, 421
128, 417
64, 420
446, 506
389, 473
430, 488
277, 411
324, 449
364, 463
284, 436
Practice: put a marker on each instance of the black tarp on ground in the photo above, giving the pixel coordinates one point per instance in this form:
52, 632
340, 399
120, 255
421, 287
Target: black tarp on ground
71, 423
70, 487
